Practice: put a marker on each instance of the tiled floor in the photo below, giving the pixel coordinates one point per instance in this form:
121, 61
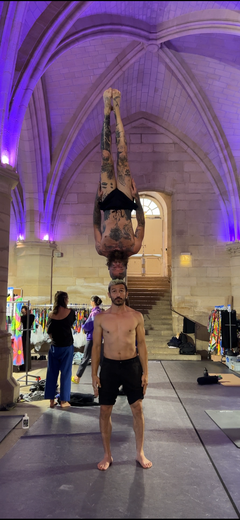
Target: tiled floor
51, 471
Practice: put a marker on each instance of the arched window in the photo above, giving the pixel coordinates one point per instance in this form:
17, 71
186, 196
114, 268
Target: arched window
150, 208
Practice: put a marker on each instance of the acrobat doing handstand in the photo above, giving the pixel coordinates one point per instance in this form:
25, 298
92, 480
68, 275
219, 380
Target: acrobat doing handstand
116, 197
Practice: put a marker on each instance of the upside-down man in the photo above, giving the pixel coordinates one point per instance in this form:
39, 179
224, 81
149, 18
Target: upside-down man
115, 238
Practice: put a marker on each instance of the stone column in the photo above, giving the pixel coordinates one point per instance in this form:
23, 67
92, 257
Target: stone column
9, 388
233, 248
34, 270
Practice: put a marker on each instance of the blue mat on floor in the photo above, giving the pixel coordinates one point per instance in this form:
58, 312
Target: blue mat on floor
7, 423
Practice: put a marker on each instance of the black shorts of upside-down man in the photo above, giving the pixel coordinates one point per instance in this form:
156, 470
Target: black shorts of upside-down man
116, 197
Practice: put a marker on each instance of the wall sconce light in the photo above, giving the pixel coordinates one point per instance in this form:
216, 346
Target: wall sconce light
20, 238
46, 237
5, 159
186, 259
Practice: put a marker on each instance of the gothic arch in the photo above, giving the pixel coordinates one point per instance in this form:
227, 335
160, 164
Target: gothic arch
160, 125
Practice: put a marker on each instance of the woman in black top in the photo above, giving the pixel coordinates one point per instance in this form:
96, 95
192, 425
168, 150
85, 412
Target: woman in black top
60, 356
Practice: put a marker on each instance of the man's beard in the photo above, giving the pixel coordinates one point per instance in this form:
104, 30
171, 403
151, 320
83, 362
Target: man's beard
120, 302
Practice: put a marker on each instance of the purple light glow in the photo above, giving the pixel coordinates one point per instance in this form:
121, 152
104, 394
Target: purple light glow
46, 237
232, 233
20, 237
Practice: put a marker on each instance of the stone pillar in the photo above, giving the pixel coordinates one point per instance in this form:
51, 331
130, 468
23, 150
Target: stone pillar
9, 388
233, 248
34, 270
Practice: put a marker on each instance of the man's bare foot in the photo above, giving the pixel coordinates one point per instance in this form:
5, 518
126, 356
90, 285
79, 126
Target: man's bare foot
144, 462
105, 463
107, 96
53, 403
116, 95
65, 404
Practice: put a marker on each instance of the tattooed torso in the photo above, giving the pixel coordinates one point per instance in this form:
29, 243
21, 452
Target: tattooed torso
117, 231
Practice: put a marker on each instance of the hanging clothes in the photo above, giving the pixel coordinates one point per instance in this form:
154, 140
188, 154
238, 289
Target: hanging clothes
214, 327
229, 330
222, 326
17, 345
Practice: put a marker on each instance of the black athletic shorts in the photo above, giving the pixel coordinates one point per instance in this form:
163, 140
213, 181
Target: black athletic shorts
116, 199
115, 373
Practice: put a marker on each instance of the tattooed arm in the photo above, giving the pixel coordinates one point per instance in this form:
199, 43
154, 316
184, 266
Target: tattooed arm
139, 232
97, 222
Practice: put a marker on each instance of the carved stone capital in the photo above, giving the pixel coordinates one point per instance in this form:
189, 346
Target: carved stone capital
233, 248
25, 248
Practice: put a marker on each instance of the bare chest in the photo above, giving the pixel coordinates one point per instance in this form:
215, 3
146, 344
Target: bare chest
119, 325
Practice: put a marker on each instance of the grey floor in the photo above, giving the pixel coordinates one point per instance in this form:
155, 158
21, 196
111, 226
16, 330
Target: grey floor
51, 472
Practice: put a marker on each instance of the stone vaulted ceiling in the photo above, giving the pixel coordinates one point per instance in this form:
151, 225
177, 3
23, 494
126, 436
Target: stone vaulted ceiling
176, 63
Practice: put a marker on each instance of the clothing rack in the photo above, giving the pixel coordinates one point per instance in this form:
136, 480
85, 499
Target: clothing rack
27, 351
49, 306
216, 328
10, 315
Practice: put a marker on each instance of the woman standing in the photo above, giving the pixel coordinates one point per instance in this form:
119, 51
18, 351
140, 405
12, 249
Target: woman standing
88, 328
60, 356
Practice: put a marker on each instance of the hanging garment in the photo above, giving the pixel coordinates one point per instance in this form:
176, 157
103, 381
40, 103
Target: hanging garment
17, 336
214, 327
229, 337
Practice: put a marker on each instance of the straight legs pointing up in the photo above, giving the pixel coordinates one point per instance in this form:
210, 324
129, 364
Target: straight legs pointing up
108, 181
124, 179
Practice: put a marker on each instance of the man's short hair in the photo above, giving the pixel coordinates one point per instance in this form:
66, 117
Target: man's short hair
117, 281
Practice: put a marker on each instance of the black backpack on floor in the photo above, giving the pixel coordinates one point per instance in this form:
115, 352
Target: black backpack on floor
187, 348
183, 337
207, 380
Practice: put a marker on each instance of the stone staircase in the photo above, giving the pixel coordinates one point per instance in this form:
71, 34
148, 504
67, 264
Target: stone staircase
151, 296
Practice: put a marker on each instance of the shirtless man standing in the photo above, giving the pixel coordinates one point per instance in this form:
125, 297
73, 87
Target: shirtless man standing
115, 197
120, 326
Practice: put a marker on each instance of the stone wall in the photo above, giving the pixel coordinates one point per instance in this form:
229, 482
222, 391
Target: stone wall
158, 163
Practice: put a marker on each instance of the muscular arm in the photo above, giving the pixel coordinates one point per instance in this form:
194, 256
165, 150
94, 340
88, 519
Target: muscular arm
142, 351
97, 224
139, 232
96, 352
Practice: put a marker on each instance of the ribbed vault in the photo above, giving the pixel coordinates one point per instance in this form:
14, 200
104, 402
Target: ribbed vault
58, 57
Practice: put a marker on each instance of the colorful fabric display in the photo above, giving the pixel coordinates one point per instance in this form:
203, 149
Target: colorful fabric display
17, 335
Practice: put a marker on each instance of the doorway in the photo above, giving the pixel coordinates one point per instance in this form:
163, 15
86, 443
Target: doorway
151, 259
